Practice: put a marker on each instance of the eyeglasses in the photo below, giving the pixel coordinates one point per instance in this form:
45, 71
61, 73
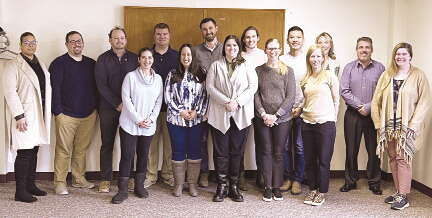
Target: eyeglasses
76, 41
273, 49
29, 43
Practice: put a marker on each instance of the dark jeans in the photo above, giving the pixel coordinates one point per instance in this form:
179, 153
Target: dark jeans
130, 144
185, 141
228, 149
272, 146
319, 142
294, 162
355, 125
204, 148
109, 122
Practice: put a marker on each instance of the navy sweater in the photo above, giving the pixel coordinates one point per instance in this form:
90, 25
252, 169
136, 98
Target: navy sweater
74, 91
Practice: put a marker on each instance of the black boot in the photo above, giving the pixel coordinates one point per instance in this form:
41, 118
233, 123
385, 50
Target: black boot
122, 194
234, 192
21, 170
31, 185
139, 189
221, 190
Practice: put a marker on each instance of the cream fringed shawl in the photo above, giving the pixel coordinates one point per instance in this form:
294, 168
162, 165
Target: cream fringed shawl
413, 104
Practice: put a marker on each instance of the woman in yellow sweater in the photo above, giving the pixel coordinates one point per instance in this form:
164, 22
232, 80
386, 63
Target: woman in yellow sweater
399, 107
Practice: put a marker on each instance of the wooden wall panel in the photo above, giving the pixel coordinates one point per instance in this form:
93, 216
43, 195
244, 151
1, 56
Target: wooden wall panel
184, 24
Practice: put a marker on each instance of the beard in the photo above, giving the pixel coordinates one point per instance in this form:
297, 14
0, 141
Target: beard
210, 37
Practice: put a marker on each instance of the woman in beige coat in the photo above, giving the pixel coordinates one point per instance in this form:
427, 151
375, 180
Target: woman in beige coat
399, 108
231, 85
27, 89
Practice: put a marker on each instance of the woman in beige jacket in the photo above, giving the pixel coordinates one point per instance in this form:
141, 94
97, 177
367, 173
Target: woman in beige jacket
231, 84
399, 108
27, 90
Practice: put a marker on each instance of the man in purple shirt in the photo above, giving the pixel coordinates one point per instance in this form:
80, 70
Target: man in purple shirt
357, 87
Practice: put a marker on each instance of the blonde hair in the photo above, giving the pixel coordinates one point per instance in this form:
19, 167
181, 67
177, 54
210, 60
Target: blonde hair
393, 68
322, 75
331, 52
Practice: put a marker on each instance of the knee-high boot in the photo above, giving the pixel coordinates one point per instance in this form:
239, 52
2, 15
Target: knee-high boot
179, 168
193, 170
21, 171
31, 185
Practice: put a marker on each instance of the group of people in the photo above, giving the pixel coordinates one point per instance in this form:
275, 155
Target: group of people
176, 98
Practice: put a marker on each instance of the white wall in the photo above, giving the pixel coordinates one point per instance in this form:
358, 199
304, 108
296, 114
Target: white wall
419, 30
49, 20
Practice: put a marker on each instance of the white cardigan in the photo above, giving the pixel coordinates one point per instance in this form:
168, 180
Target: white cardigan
23, 95
222, 89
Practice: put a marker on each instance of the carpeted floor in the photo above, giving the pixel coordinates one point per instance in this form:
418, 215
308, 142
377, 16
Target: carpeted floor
89, 203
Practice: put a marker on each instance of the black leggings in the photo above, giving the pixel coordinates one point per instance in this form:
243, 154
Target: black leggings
130, 144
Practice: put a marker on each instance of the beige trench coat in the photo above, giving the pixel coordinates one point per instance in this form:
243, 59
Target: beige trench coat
22, 94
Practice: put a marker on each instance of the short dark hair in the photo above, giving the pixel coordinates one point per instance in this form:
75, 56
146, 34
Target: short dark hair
161, 26
72, 33
142, 50
116, 28
295, 28
244, 35
24, 35
207, 19
365, 39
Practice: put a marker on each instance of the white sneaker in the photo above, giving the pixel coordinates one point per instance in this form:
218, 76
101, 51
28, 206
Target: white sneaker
61, 189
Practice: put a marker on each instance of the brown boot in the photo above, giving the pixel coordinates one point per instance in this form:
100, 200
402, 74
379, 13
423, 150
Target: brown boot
203, 180
193, 170
179, 168
286, 185
296, 188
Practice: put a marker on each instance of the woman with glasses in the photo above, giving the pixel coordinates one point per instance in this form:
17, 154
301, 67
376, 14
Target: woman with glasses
231, 84
27, 90
400, 106
142, 91
273, 104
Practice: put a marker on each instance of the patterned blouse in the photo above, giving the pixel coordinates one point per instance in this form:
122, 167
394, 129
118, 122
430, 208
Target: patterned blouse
185, 95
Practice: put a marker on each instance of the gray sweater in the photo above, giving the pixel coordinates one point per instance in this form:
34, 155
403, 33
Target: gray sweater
276, 92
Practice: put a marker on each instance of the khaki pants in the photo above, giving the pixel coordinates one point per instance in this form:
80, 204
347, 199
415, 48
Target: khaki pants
73, 137
153, 158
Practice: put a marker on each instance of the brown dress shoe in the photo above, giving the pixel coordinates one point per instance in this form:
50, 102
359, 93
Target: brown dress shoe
286, 185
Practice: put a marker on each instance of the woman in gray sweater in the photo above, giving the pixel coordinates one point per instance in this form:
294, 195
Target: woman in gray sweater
273, 103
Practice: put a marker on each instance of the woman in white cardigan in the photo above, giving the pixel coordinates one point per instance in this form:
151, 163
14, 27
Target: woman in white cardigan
231, 85
27, 90
142, 91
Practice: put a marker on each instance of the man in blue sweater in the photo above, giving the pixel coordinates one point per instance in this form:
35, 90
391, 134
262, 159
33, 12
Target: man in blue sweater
74, 101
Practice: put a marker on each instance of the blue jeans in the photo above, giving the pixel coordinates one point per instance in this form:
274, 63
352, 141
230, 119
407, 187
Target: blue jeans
294, 170
185, 141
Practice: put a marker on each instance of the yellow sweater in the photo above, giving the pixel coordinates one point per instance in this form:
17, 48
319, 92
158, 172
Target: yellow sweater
412, 107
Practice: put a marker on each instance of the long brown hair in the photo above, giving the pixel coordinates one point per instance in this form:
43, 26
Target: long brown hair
194, 68
331, 52
393, 68
239, 59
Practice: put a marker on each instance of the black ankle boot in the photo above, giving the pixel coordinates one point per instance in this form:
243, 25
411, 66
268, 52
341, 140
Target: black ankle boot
221, 190
21, 170
139, 189
122, 192
234, 192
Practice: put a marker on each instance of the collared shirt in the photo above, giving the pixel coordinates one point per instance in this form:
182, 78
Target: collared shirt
358, 83
142, 99
163, 64
205, 56
187, 94
110, 70
66, 75
34, 64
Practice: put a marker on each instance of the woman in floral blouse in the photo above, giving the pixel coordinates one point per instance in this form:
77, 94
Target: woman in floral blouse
187, 102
